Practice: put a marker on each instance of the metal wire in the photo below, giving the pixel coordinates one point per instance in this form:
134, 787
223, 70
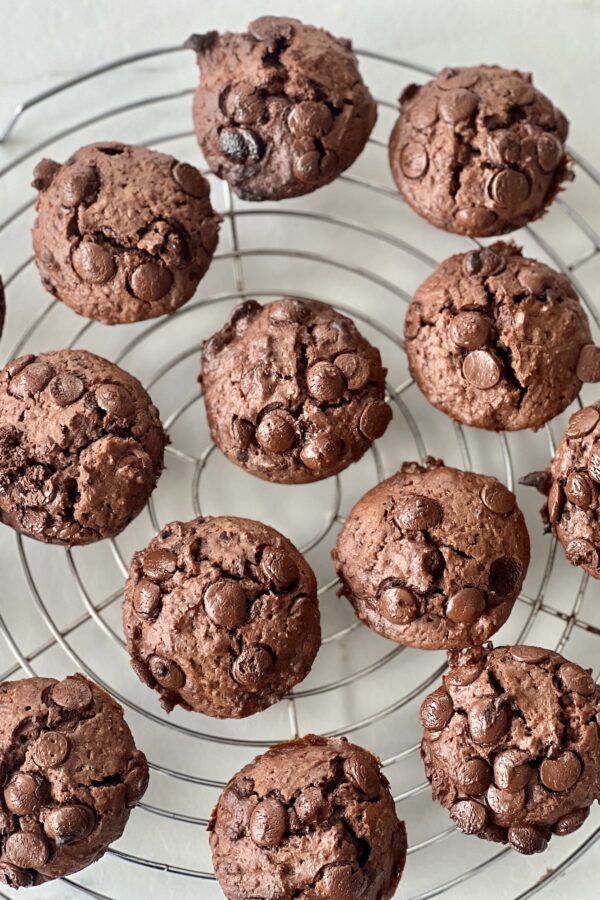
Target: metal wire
63, 636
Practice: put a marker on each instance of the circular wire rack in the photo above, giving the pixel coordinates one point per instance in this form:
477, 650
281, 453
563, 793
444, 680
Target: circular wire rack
356, 245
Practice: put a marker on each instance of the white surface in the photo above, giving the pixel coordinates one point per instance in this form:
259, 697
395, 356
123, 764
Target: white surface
44, 43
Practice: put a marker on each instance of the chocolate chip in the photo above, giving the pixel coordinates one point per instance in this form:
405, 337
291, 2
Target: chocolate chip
151, 281
190, 180
310, 119
533, 655
470, 330
66, 389
240, 144
436, 710
511, 771
398, 605
470, 817
362, 770
416, 513
498, 499
461, 676
51, 749
252, 667
556, 502
337, 882
474, 777
328, 164
44, 173
474, 219
374, 419
273, 28
505, 804
593, 464
355, 369
549, 152
166, 672
23, 794
79, 186
279, 568
481, 369
580, 552
268, 823
31, 380
325, 382
307, 167
159, 564
14, 877
588, 364
456, 106
70, 823
580, 489
576, 679
321, 452
466, 606
504, 147
244, 104
93, 263
226, 603
527, 839
147, 599
509, 189
115, 399
73, 693
484, 262
242, 432
136, 783
487, 722
425, 112
562, 772
571, 822
276, 431
26, 850
414, 160
18, 364
506, 576
582, 422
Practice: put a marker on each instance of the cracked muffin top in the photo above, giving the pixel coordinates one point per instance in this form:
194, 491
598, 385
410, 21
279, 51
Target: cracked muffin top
221, 616
512, 746
81, 447
434, 557
311, 819
572, 486
70, 774
293, 392
123, 233
281, 109
499, 341
479, 150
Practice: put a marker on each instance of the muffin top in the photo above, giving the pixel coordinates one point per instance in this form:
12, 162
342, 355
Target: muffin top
281, 109
512, 745
478, 150
293, 392
311, 818
70, 771
499, 341
434, 557
221, 616
123, 233
81, 447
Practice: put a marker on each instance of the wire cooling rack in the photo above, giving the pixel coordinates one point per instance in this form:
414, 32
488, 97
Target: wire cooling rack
357, 246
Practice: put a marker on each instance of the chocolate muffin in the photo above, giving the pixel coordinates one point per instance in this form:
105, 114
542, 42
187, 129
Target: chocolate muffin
221, 616
512, 746
311, 818
293, 392
499, 341
434, 557
478, 150
572, 486
281, 110
81, 447
123, 233
71, 774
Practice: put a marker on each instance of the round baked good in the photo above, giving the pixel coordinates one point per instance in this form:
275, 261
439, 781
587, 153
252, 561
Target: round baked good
572, 486
293, 392
123, 233
221, 616
478, 150
511, 744
280, 110
70, 775
312, 818
81, 447
434, 557
499, 341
